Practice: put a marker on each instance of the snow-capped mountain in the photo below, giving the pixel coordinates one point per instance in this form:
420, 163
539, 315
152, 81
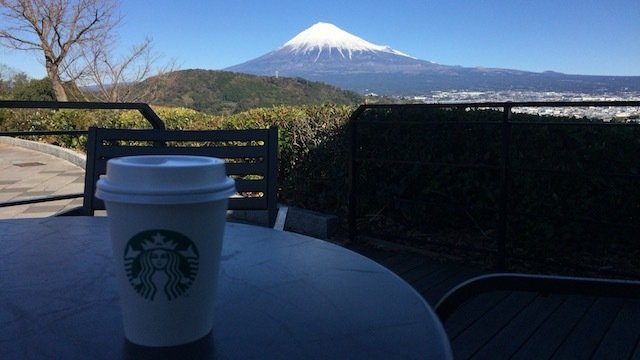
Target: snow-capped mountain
328, 37
324, 50
329, 54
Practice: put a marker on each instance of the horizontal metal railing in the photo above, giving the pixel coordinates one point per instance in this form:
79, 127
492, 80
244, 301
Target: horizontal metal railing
504, 129
144, 109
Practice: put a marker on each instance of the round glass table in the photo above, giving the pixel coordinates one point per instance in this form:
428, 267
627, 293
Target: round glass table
280, 295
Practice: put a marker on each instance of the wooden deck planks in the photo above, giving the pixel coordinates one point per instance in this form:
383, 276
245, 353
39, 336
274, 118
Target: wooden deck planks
520, 325
466, 344
517, 332
473, 310
623, 337
589, 331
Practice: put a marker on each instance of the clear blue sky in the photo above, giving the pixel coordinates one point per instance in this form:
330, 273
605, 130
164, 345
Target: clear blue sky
593, 37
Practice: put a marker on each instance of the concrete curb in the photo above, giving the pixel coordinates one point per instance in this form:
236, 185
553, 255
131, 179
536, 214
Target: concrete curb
302, 221
312, 223
71, 156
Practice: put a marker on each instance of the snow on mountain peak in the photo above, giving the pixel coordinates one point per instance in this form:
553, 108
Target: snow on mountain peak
328, 36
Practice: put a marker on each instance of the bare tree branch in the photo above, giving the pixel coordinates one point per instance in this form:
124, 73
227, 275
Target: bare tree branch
75, 39
57, 29
115, 78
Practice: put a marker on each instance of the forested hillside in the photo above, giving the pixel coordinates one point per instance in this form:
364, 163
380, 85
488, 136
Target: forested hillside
222, 92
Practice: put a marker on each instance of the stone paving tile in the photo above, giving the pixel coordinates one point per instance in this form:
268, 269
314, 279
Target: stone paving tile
38, 193
54, 171
12, 211
26, 215
76, 202
54, 183
17, 181
49, 209
69, 189
10, 190
10, 196
72, 175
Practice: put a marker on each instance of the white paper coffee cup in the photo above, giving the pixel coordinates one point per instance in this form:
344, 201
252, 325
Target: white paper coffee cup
167, 216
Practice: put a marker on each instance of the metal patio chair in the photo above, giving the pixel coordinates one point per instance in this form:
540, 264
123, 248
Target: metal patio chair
250, 156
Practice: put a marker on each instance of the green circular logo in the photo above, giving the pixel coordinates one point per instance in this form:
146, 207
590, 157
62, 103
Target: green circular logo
161, 259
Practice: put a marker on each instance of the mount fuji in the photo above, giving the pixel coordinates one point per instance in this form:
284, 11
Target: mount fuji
329, 54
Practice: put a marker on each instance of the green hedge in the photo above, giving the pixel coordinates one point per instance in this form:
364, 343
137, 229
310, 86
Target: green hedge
313, 151
312, 148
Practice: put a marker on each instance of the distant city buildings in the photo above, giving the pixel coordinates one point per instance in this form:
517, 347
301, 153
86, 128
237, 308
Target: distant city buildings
621, 114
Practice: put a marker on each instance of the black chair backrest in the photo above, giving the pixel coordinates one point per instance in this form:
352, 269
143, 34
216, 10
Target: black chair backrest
250, 156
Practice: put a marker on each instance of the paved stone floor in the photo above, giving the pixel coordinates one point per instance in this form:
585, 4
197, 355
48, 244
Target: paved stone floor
26, 174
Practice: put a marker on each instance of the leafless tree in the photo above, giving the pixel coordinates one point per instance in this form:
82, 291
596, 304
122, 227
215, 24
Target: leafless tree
114, 78
58, 29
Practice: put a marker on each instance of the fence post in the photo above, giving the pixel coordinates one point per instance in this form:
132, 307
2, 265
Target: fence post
505, 173
353, 229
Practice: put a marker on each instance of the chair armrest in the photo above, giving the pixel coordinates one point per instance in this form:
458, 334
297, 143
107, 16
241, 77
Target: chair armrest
542, 284
281, 218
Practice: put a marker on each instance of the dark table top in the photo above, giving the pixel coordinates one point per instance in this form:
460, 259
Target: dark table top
280, 295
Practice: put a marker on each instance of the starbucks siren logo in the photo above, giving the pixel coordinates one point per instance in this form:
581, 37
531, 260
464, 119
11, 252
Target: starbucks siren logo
163, 259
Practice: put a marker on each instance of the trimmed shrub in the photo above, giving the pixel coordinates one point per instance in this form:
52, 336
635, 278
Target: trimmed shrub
312, 143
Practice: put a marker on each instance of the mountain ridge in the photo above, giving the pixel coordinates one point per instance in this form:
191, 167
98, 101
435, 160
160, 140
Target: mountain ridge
318, 54
223, 92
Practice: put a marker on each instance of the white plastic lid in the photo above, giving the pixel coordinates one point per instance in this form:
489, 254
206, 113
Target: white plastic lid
165, 179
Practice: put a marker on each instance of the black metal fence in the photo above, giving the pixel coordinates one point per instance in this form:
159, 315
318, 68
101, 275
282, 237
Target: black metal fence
513, 187
144, 109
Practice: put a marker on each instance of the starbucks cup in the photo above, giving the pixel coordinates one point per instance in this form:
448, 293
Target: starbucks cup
166, 216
